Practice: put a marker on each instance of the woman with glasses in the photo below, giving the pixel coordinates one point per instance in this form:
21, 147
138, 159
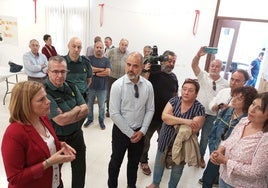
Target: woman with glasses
183, 110
243, 156
226, 120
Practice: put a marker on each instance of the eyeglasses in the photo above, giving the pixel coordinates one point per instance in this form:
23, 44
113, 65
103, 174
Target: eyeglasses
136, 91
57, 72
214, 85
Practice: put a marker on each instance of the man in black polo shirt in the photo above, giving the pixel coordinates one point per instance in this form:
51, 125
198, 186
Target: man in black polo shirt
68, 109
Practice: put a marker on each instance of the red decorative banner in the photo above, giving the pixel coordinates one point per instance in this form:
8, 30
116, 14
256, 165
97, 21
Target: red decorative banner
35, 16
196, 20
101, 13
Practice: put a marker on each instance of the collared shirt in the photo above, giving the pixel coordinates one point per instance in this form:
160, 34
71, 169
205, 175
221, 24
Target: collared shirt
79, 72
223, 96
107, 50
117, 60
206, 92
33, 64
128, 112
64, 98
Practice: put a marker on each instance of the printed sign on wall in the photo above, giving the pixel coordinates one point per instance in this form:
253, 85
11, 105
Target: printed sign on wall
8, 30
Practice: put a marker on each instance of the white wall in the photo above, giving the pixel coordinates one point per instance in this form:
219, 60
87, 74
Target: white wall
243, 9
167, 24
27, 29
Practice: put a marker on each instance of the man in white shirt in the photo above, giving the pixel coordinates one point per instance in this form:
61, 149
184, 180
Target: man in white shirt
210, 84
223, 98
131, 109
35, 63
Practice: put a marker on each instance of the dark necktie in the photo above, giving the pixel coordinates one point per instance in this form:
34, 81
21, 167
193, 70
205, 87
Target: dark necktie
136, 91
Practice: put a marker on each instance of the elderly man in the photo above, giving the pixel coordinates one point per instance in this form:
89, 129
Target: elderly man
117, 57
210, 84
35, 63
223, 98
131, 109
68, 109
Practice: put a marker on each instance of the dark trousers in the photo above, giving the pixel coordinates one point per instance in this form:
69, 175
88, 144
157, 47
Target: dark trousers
111, 80
121, 143
210, 175
155, 125
78, 165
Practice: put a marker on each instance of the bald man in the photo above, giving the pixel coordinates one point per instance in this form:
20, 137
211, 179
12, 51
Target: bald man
131, 109
80, 71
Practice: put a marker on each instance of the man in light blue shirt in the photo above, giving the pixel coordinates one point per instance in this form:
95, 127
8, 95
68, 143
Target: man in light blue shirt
35, 63
131, 109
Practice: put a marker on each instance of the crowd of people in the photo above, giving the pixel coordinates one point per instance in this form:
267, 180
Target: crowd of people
48, 111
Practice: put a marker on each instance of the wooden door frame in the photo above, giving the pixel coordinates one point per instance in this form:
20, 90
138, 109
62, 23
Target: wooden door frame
213, 41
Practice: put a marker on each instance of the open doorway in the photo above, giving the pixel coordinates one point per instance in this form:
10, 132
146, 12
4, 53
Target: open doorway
239, 42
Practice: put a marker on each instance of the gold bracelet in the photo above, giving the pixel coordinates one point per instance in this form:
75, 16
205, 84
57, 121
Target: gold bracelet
47, 163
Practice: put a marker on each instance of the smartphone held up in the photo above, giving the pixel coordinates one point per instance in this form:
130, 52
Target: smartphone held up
211, 50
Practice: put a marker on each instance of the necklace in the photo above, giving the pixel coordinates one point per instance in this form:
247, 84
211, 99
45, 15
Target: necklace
47, 135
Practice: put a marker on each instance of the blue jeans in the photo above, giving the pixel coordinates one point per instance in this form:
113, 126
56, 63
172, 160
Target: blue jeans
206, 129
101, 98
210, 175
222, 184
176, 172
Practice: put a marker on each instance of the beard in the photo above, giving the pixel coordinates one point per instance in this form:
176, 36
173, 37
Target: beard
131, 75
167, 69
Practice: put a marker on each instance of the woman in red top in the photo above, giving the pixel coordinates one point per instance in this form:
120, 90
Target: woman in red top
48, 50
30, 148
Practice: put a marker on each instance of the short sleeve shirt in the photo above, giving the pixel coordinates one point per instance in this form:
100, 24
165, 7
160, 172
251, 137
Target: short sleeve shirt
65, 98
99, 82
79, 72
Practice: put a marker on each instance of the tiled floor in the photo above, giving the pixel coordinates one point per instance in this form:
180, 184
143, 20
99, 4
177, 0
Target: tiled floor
98, 144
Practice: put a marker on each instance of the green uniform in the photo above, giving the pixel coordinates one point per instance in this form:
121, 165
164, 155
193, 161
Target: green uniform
65, 98
79, 72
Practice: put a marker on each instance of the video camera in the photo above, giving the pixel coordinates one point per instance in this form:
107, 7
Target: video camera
153, 59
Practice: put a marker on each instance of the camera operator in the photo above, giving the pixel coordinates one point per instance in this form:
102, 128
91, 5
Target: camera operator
165, 86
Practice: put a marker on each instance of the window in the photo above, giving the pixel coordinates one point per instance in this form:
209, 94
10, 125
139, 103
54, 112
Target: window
66, 19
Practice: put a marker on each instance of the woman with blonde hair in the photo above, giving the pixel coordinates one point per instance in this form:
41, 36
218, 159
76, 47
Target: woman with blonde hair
31, 152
